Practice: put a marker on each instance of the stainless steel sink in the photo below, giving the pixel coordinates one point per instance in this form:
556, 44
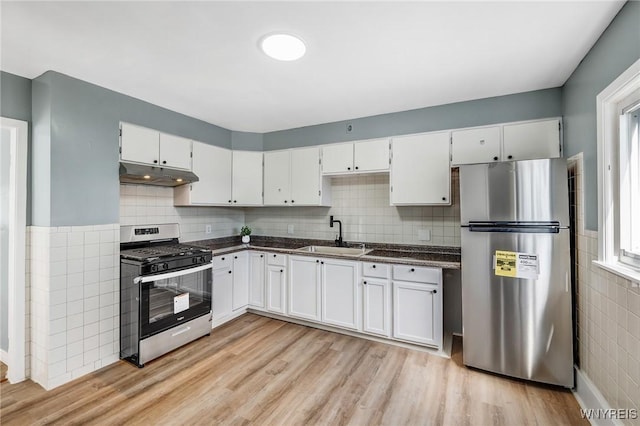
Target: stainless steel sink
341, 251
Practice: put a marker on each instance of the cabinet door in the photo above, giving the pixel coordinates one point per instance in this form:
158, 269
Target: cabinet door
340, 293
420, 171
376, 306
256, 280
417, 315
371, 156
212, 165
276, 291
305, 176
246, 179
139, 144
222, 295
337, 158
528, 141
304, 288
481, 145
175, 151
240, 280
277, 178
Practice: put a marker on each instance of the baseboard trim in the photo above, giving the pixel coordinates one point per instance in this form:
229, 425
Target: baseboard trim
590, 398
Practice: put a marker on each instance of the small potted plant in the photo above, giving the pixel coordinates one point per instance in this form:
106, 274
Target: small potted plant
245, 231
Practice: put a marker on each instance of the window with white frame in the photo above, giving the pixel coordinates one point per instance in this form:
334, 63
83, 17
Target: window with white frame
618, 109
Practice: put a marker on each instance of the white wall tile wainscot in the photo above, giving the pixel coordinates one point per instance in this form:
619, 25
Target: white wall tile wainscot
145, 204
362, 204
74, 274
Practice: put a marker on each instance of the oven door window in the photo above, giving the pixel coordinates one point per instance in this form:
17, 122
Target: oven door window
167, 302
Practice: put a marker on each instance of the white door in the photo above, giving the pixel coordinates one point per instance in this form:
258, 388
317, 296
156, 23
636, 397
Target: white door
240, 280
256, 280
304, 287
340, 293
246, 182
13, 216
276, 291
420, 171
528, 141
376, 310
210, 165
305, 176
139, 144
337, 158
416, 313
175, 152
222, 295
371, 156
220, 173
277, 178
480, 145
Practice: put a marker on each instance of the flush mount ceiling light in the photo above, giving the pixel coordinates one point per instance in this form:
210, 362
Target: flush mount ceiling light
283, 47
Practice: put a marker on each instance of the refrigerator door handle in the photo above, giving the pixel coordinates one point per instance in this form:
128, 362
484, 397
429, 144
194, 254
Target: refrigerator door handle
526, 229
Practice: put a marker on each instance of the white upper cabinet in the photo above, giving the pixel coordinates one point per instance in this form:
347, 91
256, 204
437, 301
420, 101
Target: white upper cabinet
212, 165
141, 145
420, 171
175, 152
531, 140
506, 142
246, 178
356, 157
478, 145
292, 177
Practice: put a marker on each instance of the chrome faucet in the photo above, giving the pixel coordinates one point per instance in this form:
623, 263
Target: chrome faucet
339, 242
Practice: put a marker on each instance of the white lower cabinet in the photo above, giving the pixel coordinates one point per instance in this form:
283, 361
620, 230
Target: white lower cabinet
304, 288
240, 280
256, 280
340, 302
222, 295
376, 299
417, 305
276, 289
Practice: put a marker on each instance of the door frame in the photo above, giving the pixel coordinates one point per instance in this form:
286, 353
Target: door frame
17, 246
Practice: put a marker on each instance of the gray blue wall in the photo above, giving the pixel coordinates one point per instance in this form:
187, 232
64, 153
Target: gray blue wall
246, 141
520, 106
75, 158
613, 53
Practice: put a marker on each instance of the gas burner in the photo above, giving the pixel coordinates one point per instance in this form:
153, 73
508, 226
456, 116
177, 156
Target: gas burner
161, 252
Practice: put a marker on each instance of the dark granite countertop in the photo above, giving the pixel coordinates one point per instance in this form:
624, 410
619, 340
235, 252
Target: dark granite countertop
435, 256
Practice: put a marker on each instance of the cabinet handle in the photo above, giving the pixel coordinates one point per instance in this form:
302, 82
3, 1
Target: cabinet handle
164, 162
356, 167
285, 201
434, 291
235, 201
281, 270
348, 168
229, 271
235, 257
155, 161
274, 255
510, 157
261, 255
223, 258
322, 263
495, 158
374, 266
317, 261
229, 200
364, 282
293, 201
413, 270
444, 198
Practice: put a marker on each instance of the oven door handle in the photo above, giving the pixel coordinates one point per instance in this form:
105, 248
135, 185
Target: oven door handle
150, 278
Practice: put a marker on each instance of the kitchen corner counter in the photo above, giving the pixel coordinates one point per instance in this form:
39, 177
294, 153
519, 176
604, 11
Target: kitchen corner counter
434, 256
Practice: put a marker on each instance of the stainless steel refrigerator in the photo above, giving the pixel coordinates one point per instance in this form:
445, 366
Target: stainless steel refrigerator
516, 283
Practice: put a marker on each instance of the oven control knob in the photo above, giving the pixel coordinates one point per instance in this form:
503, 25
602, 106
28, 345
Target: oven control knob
164, 266
154, 268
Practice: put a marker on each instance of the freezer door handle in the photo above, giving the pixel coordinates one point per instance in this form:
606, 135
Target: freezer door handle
525, 229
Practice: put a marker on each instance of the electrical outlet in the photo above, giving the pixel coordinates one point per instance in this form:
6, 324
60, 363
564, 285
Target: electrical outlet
290, 229
424, 235
207, 229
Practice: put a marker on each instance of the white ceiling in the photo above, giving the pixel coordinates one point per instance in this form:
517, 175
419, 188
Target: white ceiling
363, 58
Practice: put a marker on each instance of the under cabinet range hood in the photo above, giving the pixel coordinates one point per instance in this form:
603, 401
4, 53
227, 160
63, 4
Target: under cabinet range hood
158, 176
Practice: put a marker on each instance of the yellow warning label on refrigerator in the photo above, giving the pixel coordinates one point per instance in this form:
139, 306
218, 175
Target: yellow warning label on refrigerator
516, 265
506, 263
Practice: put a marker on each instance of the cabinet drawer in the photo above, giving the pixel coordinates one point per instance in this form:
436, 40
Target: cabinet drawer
276, 259
222, 261
416, 274
375, 270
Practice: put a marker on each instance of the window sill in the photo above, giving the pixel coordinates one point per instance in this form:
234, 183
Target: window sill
621, 270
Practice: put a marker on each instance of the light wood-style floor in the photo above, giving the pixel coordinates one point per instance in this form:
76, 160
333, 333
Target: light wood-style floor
257, 370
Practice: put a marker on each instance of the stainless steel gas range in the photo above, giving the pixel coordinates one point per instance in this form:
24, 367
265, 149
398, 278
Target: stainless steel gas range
165, 292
